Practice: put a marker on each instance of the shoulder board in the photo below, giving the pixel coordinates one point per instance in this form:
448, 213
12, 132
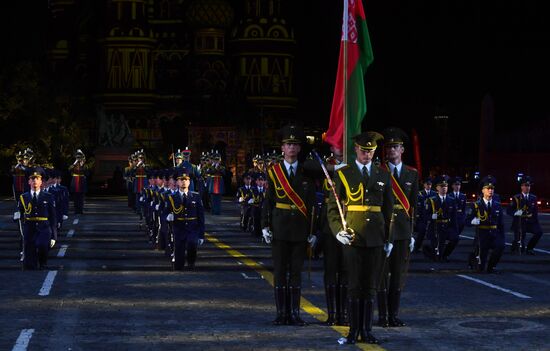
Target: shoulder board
410, 168
194, 192
342, 168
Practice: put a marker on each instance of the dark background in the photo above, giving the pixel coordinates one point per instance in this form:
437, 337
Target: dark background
430, 58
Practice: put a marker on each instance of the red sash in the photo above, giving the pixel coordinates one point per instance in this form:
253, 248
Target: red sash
289, 192
399, 193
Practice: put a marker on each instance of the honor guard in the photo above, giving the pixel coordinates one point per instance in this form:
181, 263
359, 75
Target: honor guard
140, 180
62, 199
259, 191
245, 198
334, 278
78, 182
487, 216
404, 183
216, 183
366, 192
286, 225
129, 179
19, 175
441, 213
203, 181
183, 159
421, 224
187, 216
524, 210
37, 211
460, 200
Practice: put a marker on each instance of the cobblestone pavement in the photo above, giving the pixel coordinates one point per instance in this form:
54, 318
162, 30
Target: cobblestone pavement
107, 289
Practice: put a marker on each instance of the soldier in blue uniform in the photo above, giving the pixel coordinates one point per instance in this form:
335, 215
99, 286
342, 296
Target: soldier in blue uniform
460, 200
245, 198
37, 210
421, 223
524, 210
61, 197
441, 213
187, 215
487, 215
259, 192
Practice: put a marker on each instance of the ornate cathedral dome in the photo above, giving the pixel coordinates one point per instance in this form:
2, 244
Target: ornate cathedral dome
210, 14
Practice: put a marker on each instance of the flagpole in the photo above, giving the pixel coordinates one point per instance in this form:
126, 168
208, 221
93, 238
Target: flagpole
345, 32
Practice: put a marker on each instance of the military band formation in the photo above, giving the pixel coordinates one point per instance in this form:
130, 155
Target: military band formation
366, 217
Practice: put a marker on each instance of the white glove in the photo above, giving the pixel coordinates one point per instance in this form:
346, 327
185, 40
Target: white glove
65, 217
475, 221
312, 240
251, 201
151, 204
241, 199
434, 216
518, 213
16, 215
170, 217
141, 199
388, 247
267, 235
200, 242
52, 243
157, 207
411, 244
342, 237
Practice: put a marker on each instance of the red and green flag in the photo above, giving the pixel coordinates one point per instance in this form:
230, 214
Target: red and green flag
349, 104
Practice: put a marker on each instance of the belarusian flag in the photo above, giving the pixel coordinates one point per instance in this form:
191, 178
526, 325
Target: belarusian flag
349, 104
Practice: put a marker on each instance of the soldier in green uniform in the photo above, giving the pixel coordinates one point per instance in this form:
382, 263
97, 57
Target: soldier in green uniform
366, 193
286, 219
404, 184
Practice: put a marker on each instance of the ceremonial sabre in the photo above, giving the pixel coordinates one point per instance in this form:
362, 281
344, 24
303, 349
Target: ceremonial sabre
351, 233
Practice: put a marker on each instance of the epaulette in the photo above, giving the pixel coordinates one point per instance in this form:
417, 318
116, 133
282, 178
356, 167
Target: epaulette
342, 168
410, 168
194, 192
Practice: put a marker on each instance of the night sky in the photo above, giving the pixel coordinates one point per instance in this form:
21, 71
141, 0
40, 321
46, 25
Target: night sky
431, 58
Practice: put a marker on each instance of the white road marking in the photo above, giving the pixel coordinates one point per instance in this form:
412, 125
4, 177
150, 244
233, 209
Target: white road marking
23, 340
516, 294
507, 244
532, 279
247, 277
75, 221
70, 233
62, 250
47, 285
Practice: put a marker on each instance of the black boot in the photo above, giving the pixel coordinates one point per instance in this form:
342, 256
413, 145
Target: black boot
382, 299
280, 296
354, 320
330, 293
449, 250
342, 317
393, 308
367, 312
295, 295
493, 261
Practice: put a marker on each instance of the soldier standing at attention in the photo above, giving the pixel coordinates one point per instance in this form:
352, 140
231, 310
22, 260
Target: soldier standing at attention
524, 210
421, 224
286, 223
78, 182
37, 210
460, 199
366, 193
404, 183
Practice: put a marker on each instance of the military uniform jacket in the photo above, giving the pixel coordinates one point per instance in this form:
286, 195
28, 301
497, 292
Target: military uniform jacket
188, 216
460, 207
408, 182
491, 222
246, 194
280, 214
79, 183
368, 205
446, 221
530, 210
39, 218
